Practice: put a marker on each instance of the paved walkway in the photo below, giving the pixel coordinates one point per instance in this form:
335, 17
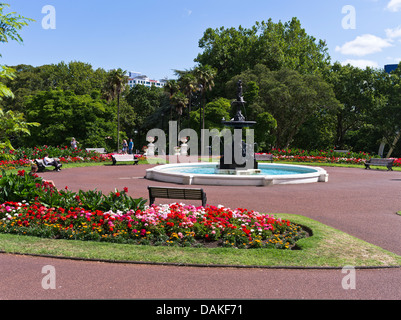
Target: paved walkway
360, 202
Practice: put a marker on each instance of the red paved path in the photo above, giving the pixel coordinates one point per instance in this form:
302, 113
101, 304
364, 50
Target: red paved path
360, 202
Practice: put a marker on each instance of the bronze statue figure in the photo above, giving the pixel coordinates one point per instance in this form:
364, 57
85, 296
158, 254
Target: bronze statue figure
240, 97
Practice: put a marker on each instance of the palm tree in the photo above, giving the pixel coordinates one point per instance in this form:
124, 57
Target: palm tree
171, 88
205, 79
115, 85
180, 101
187, 83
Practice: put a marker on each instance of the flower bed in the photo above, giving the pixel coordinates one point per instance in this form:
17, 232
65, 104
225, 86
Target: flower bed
13, 164
169, 225
321, 156
24, 157
118, 218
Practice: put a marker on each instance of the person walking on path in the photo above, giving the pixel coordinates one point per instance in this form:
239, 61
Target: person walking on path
125, 146
130, 146
74, 144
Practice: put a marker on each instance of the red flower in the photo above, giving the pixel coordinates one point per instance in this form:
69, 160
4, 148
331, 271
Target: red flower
117, 194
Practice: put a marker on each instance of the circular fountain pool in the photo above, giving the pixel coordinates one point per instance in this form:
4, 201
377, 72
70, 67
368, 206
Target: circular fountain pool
206, 174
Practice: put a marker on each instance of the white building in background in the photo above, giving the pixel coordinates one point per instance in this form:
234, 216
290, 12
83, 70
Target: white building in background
135, 78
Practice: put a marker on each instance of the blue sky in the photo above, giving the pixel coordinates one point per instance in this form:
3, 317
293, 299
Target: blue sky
155, 37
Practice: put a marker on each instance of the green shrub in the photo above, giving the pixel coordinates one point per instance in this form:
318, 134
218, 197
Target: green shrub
23, 186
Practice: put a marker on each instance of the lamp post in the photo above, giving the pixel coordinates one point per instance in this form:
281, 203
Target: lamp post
201, 118
136, 140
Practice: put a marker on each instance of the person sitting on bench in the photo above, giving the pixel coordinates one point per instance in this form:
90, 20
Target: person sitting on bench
51, 162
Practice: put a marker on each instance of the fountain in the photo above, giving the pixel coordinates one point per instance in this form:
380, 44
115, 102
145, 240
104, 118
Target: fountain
234, 166
232, 171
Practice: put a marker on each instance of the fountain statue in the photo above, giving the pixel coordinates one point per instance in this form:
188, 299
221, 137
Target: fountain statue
239, 122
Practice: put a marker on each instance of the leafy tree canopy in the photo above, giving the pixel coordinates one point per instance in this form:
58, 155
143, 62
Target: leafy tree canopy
277, 45
64, 115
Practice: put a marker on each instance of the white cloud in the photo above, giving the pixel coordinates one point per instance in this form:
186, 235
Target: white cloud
363, 45
394, 60
394, 5
394, 33
362, 64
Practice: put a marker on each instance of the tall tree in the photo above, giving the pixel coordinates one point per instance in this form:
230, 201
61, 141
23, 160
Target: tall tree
171, 88
386, 112
180, 101
354, 88
77, 76
117, 81
188, 85
145, 108
64, 115
276, 45
205, 76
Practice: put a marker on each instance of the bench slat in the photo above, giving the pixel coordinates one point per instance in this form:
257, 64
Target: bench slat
176, 193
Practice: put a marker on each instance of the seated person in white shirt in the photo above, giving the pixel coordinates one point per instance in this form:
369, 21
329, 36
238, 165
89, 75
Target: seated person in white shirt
51, 162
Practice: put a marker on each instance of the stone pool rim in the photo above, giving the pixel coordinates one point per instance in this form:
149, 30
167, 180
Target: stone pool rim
161, 173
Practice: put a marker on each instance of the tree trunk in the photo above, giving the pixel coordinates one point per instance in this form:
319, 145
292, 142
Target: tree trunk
381, 148
393, 145
339, 136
